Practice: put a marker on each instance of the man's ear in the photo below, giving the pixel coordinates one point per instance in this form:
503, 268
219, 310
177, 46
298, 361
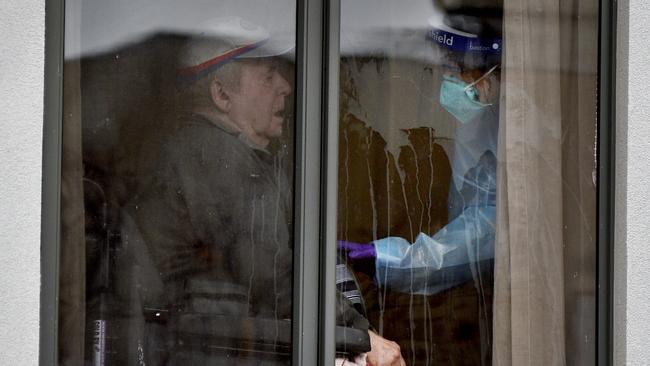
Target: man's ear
220, 95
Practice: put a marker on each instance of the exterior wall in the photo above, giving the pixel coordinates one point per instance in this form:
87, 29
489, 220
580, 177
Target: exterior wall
21, 121
632, 259
21, 97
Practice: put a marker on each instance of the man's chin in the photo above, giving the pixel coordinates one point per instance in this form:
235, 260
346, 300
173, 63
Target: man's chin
276, 128
275, 134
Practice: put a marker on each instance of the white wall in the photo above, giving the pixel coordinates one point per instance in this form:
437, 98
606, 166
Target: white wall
632, 259
21, 119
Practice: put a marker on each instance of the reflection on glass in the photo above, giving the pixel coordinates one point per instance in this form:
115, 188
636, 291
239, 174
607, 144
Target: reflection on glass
177, 183
459, 218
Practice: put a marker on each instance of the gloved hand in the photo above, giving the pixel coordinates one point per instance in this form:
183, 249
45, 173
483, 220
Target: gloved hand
357, 250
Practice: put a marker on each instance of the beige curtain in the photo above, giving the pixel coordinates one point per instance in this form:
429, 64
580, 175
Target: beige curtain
546, 198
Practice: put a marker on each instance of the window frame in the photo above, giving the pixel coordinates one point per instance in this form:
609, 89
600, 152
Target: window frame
317, 87
606, 181
51, 184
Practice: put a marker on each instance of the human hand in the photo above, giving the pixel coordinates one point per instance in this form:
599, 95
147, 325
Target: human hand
357, 250
384, 352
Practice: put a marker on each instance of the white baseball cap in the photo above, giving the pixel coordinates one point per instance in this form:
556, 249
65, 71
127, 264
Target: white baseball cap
221, 40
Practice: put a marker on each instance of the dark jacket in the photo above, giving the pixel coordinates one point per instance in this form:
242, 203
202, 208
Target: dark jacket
217, 224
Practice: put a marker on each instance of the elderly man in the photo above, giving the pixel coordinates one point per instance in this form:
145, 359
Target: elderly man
217, 218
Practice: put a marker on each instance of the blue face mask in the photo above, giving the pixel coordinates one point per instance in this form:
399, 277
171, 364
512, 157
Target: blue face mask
462, 99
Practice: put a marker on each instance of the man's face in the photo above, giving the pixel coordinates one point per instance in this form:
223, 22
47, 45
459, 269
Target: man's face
258, 103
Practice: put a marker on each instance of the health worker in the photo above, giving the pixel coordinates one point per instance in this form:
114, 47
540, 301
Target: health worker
470, 51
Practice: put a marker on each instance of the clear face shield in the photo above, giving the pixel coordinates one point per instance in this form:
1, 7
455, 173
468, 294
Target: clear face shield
470, 60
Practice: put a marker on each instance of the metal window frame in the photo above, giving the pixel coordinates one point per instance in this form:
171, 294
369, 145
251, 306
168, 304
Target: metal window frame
329, 202
51, 190
307, 243
317, 59
606, 184
316, 189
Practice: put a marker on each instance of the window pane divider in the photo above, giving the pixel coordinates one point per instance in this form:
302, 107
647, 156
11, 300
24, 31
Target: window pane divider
307, 235
330, 181
606, 173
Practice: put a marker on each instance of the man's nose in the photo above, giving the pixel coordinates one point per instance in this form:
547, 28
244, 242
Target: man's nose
284, 87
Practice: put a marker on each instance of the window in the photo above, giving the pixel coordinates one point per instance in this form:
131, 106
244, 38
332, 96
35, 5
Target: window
467, 177
279, 182
177, 183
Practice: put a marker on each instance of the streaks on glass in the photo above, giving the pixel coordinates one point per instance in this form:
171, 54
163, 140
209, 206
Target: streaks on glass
394, 181
182, 242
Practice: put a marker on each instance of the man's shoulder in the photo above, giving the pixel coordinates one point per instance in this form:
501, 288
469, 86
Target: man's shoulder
197, 143
200, 128
194, 133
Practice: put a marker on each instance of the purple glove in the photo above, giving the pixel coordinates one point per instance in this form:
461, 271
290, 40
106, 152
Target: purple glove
357, 250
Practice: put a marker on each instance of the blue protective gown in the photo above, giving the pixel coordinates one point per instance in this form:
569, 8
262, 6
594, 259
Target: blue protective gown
450, 257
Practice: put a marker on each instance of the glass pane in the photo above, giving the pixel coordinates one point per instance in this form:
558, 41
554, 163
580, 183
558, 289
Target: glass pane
466, 183
177, 186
